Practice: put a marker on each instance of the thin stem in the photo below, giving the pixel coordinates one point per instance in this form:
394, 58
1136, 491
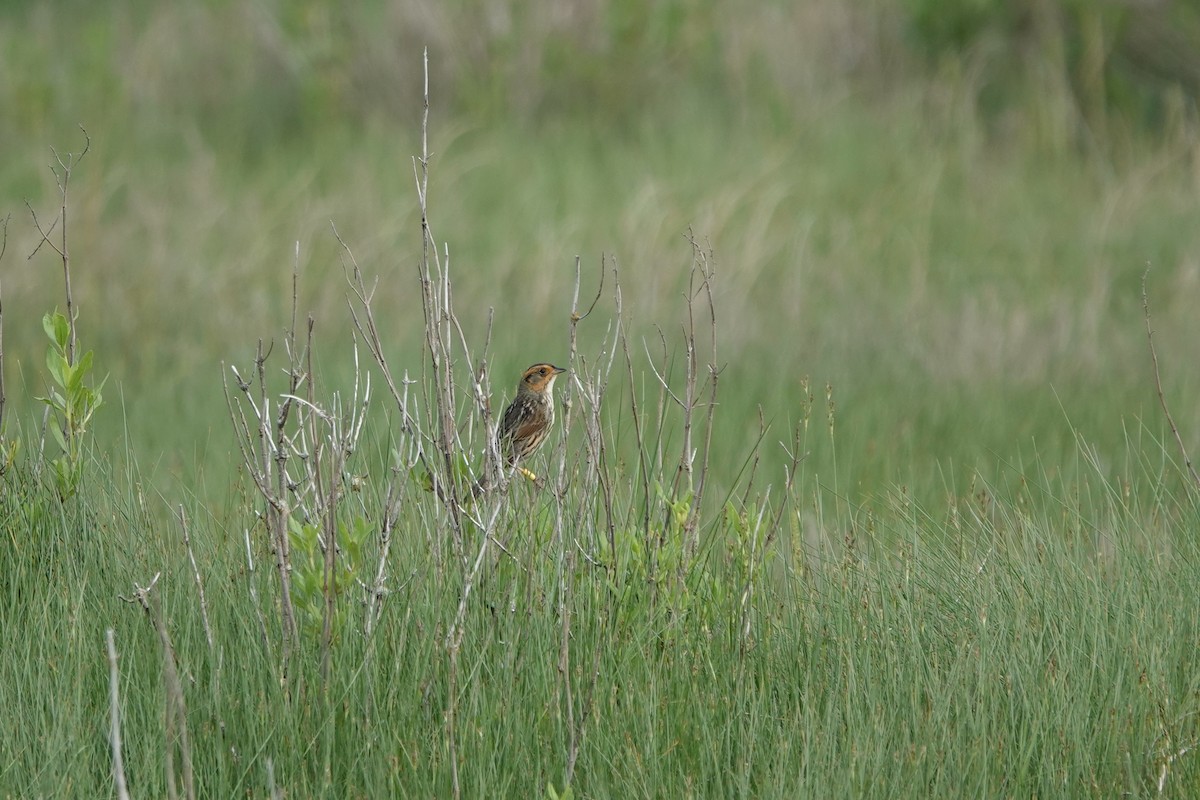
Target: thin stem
187, 543
1162, 400
114, 686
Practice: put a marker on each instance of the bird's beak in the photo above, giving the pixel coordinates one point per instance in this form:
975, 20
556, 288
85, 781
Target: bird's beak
559, 370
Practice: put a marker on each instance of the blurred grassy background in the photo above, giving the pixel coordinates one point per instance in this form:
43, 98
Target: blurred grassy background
943, 210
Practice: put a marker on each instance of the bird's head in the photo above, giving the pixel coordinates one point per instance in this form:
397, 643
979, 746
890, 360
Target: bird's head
539, 378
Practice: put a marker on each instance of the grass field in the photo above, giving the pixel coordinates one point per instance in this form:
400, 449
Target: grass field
937, 538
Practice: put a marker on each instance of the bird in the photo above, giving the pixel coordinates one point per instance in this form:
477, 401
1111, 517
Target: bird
527, 419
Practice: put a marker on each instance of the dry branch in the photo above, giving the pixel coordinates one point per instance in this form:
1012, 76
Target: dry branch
114, 737
62, 176
175, 713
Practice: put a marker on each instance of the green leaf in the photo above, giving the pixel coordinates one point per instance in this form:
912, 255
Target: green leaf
79, 372
66, 476
78, 401
420, 476
358, 531
82, 412
54, 400
48, 325
62, 330
58, 328
58, 366
58, 436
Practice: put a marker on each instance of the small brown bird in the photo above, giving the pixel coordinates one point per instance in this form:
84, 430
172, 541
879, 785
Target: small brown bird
528, 418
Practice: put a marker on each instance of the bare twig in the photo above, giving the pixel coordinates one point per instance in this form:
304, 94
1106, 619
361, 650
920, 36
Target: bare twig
1158, 385
378, 589
266, 445
662, 381
296, 448
702, 265
595, 437
326, 493
443, 333
1168, 760
62, 175
45, 232
114, 687
411, 429
565, 560
274, 450
440, 323
435, 303
591, 389
681, 506
175, 714
251, 581
367, 327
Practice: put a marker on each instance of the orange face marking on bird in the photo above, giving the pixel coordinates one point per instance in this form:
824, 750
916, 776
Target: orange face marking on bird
539, 378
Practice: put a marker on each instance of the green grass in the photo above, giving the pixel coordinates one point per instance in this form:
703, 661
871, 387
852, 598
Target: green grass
1029, 640
982, 582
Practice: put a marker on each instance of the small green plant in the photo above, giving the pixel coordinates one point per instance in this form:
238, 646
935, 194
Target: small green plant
72, 401
460, 469
308, 567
